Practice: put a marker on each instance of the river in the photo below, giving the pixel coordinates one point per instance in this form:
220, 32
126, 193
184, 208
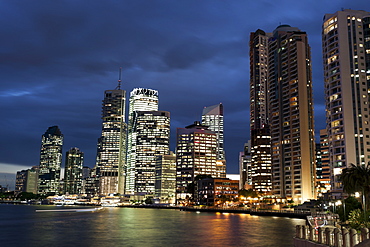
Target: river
21, 225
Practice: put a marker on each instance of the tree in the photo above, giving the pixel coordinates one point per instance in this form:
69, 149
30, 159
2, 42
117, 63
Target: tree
356, 178
248, 193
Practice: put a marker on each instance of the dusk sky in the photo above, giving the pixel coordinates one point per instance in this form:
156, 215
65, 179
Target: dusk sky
58, 57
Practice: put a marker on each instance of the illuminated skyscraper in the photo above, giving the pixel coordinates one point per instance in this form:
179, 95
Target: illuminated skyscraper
110, 161
50, 161
291, 115
196, 154
73, 171
346, 56
141, 99
260, 149
213, 117
152, 139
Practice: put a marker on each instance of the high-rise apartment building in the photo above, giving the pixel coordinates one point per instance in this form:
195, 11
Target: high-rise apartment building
110, 161
291, 115
323, 170
260, 171
50, 161
346, 58
73, 171
213, 117
141, 99
152, 139
196, 154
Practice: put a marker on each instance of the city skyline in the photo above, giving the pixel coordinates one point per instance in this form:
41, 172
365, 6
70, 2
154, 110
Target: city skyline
204, 64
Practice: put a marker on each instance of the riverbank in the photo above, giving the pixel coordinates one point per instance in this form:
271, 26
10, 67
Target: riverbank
258, 212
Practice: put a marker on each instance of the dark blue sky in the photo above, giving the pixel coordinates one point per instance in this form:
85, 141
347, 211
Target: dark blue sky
58, 57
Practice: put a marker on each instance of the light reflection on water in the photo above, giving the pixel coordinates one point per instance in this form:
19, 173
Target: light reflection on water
20, 225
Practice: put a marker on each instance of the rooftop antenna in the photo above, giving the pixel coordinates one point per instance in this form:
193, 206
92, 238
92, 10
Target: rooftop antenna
119, 78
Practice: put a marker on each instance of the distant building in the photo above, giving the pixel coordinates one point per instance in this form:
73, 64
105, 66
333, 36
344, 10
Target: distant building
245, 168
141, 99
323, 171
165, 178
26, 180
260, 148
213, 117
216, 191
73, 171
346, 56
50, 161
90, 184
152, 138
196, 154
110, 161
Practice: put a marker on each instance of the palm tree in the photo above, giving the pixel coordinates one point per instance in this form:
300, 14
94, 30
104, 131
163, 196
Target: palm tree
356, 178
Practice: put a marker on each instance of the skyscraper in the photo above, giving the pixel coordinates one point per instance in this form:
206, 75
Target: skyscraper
141, 99
196, 154
73, 171
50, 161
260, 149
291, 115
152, 139
213, 117
346, 58
110, 161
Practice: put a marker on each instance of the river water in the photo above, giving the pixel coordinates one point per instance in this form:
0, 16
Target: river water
21, 225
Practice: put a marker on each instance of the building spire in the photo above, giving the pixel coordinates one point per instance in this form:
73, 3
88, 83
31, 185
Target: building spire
119, 78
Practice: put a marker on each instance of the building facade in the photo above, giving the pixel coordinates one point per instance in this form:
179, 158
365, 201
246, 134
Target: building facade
216, 191
260, 171
152, 133
291, 115
323, 171
346, 59
165, 178
50, 161
196, 154
141, 99
26, 181
110, 161
73, 171
213, 117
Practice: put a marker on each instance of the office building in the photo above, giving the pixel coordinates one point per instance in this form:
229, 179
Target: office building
110, 161
196, 154
291, 115
323, 171
216, 191
26, 181
50, 161
260, 149
245, 181
346, 57
73, 171
165, 178
141, 99
152, 139
213, 117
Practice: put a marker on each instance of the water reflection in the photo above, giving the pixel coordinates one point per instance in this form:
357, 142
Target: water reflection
145, 227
